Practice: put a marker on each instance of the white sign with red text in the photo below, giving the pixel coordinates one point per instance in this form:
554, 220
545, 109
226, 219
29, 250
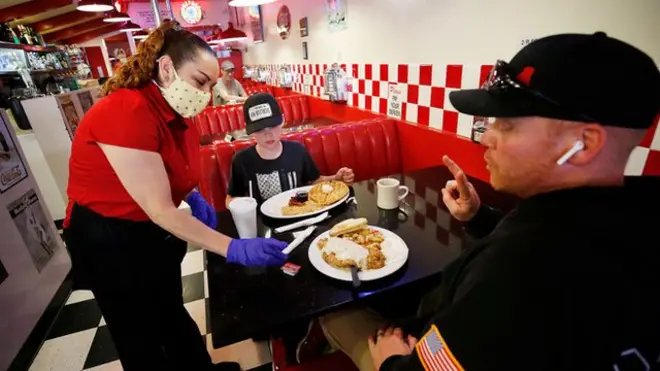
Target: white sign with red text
396, 96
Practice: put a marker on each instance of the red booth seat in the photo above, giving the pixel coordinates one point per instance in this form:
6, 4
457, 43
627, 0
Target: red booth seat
371, 148
214, 122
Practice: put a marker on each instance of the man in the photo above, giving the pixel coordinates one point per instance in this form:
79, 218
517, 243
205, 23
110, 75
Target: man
228, 89
272, 166
569, 279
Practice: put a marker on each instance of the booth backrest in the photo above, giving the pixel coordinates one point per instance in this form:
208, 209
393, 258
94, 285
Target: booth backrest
370, 148
216, 121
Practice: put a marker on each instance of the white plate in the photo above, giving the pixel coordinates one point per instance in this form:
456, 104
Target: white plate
273, 206
394, 249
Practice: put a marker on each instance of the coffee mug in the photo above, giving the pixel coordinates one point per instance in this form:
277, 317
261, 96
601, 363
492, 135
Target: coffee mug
390, 193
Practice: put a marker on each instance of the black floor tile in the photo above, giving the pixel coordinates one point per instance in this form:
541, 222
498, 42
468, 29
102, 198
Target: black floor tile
75, 318
208, 315
266, 367
193, 287
103, 349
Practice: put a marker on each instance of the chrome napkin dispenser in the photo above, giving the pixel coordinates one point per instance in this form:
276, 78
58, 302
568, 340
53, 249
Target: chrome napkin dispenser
285, 78
249, 72
337, 84
263, 75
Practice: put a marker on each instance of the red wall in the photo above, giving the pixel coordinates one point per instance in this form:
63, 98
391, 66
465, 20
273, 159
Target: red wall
95, 58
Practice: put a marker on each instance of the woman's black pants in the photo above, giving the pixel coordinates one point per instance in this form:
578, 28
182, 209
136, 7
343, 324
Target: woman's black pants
134, 271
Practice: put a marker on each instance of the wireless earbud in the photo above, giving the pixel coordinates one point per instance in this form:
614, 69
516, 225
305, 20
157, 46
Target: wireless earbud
577, 147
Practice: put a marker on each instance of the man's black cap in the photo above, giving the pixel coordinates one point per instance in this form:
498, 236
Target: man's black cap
577, 77
261, 111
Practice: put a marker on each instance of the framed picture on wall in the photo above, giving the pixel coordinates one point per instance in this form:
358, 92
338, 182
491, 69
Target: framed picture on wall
12, 168
304, 29
305, 56
256, 23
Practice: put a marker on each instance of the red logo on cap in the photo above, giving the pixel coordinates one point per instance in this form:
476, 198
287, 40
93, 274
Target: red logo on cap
525, 77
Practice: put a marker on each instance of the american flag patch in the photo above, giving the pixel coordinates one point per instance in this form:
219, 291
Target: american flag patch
434, 353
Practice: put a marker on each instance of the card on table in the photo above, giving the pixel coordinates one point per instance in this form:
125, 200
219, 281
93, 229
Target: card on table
290, 269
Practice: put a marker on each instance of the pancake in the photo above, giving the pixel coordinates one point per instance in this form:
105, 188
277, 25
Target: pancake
327, 193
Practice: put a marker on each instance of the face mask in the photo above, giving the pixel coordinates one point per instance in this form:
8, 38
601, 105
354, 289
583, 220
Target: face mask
185, 99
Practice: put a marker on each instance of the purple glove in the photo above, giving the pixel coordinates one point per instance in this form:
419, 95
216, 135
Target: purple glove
202, 210
257, 252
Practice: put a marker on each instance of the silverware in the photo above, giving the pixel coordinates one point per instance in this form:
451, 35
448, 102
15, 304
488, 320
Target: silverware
351, 200
302, 236
303, 223
354, 276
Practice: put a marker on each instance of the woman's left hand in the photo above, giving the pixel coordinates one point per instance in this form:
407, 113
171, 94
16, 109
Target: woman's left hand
202, 210
345, 175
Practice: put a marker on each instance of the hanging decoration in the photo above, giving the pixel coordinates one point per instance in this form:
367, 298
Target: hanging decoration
191, 12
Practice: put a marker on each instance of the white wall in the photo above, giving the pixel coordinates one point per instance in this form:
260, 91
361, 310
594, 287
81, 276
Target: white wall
443, 31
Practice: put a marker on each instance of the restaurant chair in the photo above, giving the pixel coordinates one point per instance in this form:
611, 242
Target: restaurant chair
329, 362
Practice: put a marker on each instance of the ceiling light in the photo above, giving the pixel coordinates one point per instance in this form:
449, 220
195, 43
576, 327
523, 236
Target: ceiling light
94, 6
140, 35
131, 27
250, 2
114, 17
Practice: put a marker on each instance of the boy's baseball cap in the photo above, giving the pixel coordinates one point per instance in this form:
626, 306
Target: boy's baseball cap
576, 77
261, 111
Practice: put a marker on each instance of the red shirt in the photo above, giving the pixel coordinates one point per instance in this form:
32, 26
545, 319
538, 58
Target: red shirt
132, 118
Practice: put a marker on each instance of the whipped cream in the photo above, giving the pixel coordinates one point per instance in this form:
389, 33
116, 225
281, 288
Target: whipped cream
326, 188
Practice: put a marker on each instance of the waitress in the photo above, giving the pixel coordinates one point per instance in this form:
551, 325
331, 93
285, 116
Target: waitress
134, 158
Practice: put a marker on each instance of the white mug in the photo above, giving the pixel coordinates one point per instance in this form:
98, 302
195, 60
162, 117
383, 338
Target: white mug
390, 193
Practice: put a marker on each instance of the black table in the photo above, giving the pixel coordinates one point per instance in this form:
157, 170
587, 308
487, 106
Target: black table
252, 302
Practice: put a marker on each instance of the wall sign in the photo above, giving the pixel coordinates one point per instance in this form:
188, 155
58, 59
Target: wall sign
255, 22
336, 13
284, 22
12, 168
191, 12
397, 95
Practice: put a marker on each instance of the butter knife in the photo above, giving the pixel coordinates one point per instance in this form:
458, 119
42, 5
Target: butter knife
298, 240
302, 223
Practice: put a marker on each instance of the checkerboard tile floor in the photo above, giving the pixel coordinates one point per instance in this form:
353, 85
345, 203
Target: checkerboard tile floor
79, 339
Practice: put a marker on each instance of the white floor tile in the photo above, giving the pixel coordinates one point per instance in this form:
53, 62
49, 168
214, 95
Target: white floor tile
102, 323
66, 353
193, 263
80, 295
249, 354
112, 366
197, 310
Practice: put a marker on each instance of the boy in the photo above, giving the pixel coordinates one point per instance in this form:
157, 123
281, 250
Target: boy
272, 166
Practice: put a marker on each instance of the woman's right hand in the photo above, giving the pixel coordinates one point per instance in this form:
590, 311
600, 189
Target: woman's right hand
257, 252
459, 194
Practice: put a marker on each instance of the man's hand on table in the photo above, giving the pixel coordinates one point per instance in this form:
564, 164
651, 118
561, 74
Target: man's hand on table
388, 343
459, 194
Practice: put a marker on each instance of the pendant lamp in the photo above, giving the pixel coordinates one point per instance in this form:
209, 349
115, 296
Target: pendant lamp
140, 35
115, 17
95, 6
131, 27
250, 2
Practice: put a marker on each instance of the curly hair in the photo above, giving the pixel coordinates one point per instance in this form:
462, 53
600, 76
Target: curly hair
168, 39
